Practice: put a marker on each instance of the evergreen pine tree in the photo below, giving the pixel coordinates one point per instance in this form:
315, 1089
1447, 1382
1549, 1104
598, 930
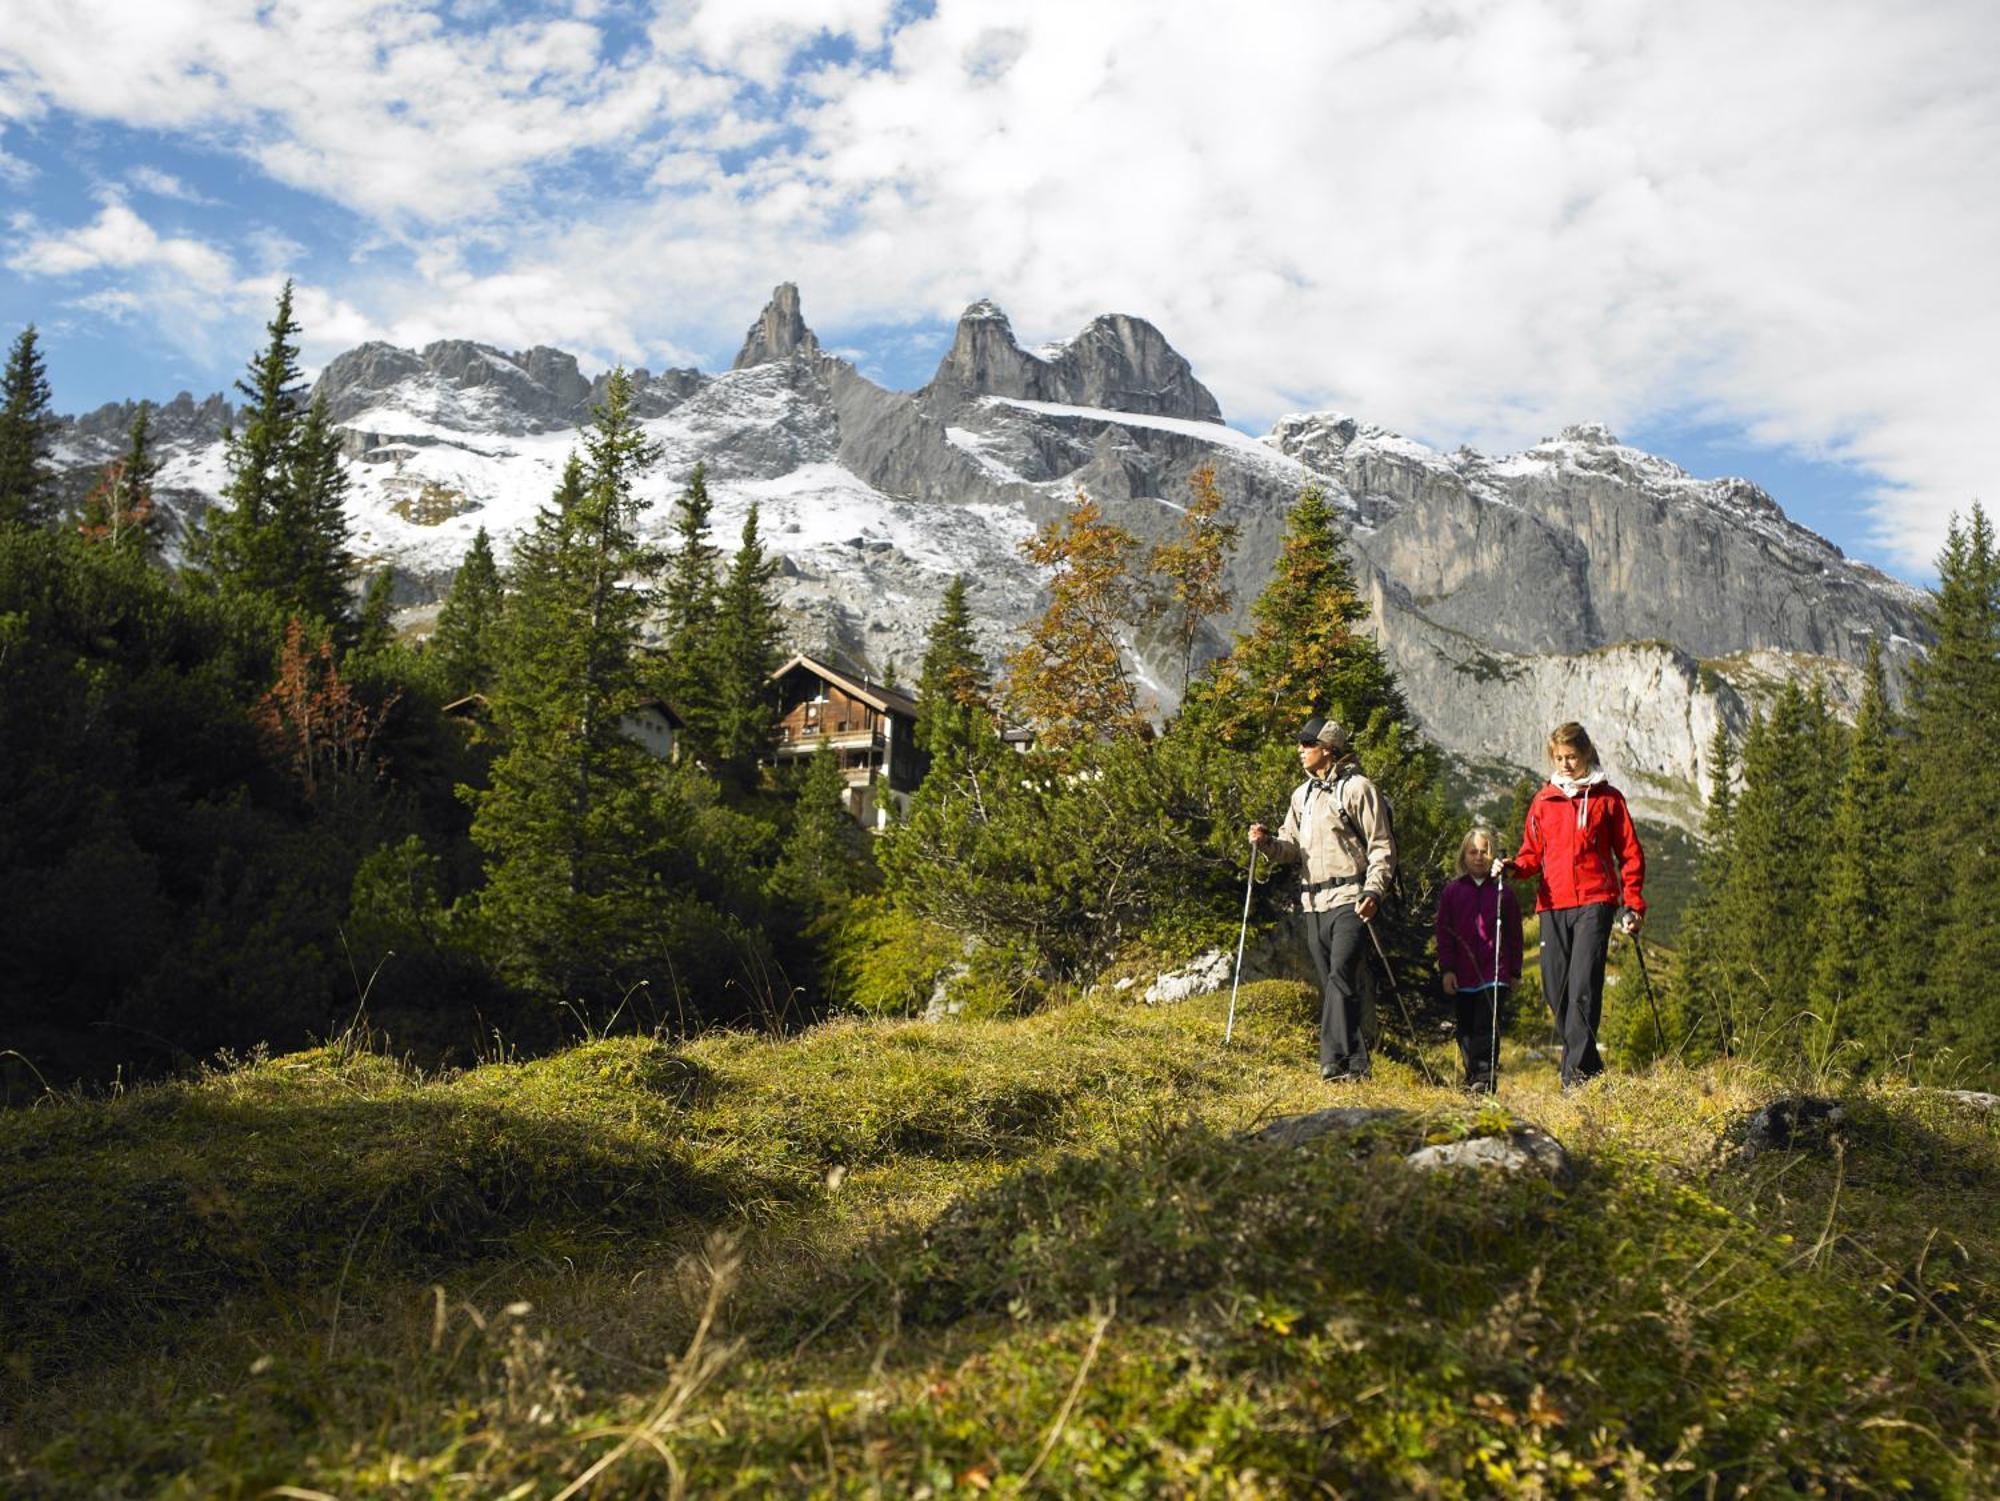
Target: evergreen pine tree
574, 827
688, 609
1865, 846
374, 632
27, 431
309, 524
741, 656
1948, 914
469, 621
1304, 653
824, 858
241, 545
953, 697
1758, 938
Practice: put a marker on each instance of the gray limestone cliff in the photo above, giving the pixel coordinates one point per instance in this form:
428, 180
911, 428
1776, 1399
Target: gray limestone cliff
779, 332
1117, 362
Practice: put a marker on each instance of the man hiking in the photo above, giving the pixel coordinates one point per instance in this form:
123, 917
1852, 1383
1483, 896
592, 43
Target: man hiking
1337, 828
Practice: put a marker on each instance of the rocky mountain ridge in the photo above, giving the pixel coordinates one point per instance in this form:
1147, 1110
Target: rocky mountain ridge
1578, 578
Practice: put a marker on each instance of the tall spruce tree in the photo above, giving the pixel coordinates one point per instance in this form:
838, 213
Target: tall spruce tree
688, 600
954, 710
575, 829
1754, 936
1852, 980
740, 658
468, 623
309, 524
1304, 653
241, 546
27, 432
1949, 914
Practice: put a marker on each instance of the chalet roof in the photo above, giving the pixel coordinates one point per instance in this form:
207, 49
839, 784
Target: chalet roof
875, 695
475, 704
666, 711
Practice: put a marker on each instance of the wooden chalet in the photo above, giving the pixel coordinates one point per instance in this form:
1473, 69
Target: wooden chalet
651, 724
873, 729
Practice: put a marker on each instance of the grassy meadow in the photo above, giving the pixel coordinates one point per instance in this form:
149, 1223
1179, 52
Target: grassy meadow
1030, 1256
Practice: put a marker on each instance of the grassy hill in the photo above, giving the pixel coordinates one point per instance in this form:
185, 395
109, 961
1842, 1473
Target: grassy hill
1033, 1256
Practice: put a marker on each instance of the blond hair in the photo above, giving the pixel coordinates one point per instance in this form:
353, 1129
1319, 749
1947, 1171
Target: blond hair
1477, 831
1575, 736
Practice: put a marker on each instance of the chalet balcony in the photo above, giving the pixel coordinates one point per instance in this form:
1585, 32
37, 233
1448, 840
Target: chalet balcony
796, 741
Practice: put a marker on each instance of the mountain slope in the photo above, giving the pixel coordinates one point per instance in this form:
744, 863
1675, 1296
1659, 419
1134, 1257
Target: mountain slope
1578, 579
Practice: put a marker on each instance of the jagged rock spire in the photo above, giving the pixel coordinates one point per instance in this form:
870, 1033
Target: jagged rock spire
1117, 361
779, 332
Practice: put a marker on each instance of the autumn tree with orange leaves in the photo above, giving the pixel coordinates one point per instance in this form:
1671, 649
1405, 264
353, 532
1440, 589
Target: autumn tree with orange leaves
1187, 570
1070, 679
313, 724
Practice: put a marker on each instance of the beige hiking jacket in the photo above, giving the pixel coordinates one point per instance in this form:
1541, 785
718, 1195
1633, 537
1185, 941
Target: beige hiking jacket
1336, 868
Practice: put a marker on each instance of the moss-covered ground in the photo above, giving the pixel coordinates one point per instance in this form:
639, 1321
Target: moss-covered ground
1005, 1257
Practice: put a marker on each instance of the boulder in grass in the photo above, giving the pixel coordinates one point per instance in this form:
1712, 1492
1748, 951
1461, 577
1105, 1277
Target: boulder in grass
1522, 1149
1794, 1123
1206, 973
1296, 1130
1975, 1099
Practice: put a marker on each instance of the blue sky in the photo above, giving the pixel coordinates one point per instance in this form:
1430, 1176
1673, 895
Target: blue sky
1752, 238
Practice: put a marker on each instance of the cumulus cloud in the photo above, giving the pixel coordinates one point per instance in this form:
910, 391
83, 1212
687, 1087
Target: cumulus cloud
1475, 220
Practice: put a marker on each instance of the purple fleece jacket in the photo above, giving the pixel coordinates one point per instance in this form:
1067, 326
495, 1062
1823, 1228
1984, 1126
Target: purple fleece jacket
1465, 933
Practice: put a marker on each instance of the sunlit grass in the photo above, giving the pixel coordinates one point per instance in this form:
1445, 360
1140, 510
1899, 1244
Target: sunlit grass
1029, 1254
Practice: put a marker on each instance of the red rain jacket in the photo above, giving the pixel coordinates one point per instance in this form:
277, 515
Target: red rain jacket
1571, 843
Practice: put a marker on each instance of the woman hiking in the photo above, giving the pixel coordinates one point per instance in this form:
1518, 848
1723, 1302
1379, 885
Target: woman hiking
1479, 955
1580, 848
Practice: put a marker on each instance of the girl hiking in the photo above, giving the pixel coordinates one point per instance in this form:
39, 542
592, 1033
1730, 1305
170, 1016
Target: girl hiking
1479, 955
1580, 847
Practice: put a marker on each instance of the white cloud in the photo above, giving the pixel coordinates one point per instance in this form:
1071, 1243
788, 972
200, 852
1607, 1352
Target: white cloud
119, 240
1476, 220
14, 172
165, 185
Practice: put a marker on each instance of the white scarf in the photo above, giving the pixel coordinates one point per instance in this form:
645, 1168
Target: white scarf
1571, 786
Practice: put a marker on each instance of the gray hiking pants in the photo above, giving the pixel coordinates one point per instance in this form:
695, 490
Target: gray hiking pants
1337, 943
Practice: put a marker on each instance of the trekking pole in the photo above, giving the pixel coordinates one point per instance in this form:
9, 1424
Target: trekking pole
1249, 884
1493, 1037
1647, 980
1389, 974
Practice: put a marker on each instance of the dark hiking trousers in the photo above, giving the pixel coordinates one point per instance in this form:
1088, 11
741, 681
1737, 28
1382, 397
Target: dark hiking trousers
1472, 1016
1337, 942
1574, 941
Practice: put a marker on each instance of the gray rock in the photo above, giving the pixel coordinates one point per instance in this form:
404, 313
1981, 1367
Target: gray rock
1208, 972
1295, 1130
1525, 1148
1117, 362
779, 332
1794, 1123
1972, 1098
